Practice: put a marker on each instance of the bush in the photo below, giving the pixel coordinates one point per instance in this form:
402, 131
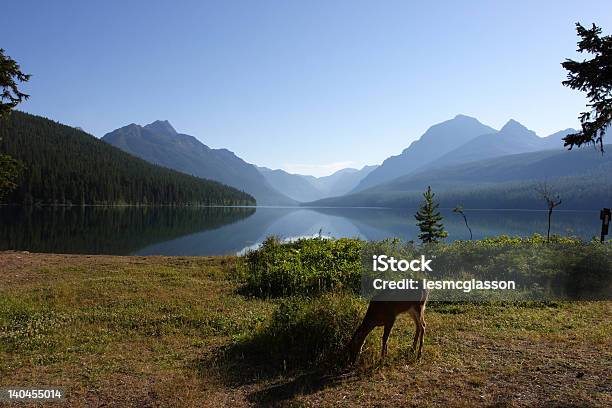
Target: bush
564, 268
588, 271
307, 332
305, 266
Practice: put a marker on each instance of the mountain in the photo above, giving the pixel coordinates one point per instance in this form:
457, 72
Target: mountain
295, 186
513, 138
64, 165
160, 143
434, 143
309, 188
581, 176
555, 141
342, 181
541, 165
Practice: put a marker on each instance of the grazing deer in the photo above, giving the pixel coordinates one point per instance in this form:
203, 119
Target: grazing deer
384, 313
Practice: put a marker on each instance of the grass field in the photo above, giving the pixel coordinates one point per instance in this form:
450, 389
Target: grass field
156, 331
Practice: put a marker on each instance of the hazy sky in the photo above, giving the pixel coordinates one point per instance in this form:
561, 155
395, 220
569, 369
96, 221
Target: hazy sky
307, 86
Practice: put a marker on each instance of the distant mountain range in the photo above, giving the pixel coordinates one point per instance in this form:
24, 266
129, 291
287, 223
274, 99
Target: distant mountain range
581, 177
309, 188
342, 181
433, 144
460, 140
161, 144
460, 154
295, 186
513, 138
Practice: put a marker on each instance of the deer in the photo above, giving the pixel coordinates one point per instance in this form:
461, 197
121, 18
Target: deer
384, 313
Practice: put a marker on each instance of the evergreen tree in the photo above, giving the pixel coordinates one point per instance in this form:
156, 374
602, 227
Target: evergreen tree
594, 77
10, 96
9, 172
429, 219
10, 74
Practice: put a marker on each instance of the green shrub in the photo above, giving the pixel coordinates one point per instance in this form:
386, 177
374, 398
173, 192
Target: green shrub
587, 271
304, 266
306, 332
564, 268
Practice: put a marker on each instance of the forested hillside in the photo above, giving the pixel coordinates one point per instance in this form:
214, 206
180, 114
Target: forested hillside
590, 192
159, 143
64, 165
542, 165
581, 177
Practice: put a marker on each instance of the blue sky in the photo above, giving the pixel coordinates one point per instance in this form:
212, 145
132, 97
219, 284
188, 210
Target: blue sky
307, 86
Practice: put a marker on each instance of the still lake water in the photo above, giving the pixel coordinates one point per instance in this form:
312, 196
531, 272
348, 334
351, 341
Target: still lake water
230, 230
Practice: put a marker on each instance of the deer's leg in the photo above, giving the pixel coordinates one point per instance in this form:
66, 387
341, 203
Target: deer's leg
422, 331
417, 330
385, 338
359, 338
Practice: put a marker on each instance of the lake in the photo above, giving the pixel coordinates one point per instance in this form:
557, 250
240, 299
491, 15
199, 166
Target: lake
230, 230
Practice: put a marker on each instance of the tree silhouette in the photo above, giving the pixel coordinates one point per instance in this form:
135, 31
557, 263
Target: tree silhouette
10, 96
459, 210
594, 77
429, 219
10, 74
552, 200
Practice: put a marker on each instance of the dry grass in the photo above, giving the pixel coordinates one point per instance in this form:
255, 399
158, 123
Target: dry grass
151, 331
